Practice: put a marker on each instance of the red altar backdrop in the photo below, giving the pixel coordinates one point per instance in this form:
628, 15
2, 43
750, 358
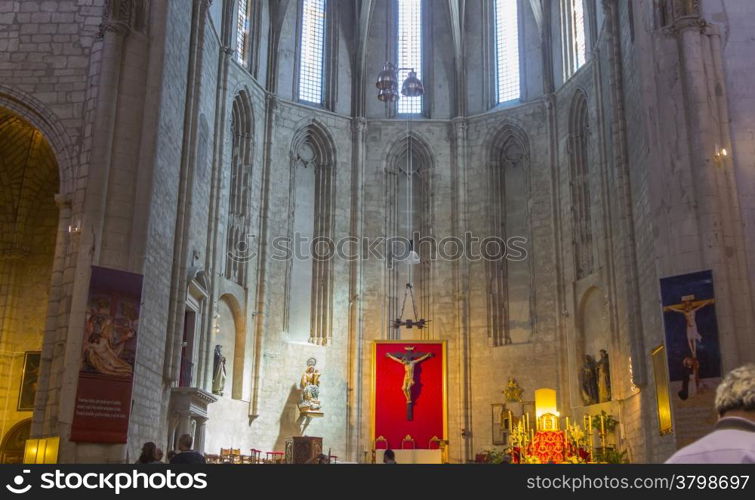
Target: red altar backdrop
428, 394
106, 373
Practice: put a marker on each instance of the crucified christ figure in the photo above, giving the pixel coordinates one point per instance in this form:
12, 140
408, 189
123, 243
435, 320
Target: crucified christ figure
689, 307
409, 360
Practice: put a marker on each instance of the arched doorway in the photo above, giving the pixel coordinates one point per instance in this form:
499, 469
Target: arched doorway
12, 448
28, 229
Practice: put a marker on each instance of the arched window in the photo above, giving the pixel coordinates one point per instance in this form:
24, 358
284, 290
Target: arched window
507, 50
574, 36
312, 51
409, 50
579, 134
242, 32
509, 272
409, 228
237, 244
309, 277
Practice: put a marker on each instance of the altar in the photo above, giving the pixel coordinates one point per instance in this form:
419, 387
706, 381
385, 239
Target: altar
413, 456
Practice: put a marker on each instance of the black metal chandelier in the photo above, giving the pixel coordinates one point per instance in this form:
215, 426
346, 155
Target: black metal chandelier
387, 84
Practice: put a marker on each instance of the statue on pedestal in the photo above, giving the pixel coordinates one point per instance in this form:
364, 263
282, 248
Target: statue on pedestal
604, 377
310, 388
218, 373
588, 381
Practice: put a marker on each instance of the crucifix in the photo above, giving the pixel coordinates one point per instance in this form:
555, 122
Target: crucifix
409, 359
689, 307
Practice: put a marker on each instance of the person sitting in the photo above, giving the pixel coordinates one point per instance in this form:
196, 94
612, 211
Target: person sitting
149, 454
389, 457
733, 439
186, 454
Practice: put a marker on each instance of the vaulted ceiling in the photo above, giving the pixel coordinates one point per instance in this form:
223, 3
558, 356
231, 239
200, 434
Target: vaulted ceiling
28, 182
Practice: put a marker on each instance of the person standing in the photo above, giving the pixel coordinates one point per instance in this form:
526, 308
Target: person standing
732, 441
149, 454
186, 455
389, 457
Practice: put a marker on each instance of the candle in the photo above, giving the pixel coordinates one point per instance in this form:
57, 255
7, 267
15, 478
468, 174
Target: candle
567, 423
602, 424
510, 421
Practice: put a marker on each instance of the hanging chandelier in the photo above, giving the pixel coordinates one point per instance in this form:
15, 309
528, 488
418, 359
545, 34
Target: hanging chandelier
387, 84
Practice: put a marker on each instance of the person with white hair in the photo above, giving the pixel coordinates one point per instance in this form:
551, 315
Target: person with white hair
733, 439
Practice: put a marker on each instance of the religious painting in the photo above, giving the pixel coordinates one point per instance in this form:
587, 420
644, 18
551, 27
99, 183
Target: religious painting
409, 392
692, 352
689, 317
29, 379
103, 398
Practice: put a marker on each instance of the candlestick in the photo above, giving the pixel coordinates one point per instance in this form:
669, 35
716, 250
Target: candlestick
602, 424
510, 420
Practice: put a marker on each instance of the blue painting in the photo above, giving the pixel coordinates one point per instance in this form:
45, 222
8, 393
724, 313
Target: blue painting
689, 317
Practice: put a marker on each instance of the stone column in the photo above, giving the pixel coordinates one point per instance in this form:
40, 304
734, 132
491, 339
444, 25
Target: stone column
199, 435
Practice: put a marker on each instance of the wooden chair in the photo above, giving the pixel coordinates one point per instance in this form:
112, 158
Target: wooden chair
434, 443
408, 443
235, 455
225, 456
212, 459
255, 455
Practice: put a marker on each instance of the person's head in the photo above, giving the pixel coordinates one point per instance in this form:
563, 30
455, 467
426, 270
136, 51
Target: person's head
389, 457
185, 442
170, 455
735, 395
158, 454
148, 453
322, 459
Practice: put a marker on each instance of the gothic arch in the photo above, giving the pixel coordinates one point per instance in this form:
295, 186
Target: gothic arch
239, 188
37, 113
309, 280
409, 166
509, 282
239, 344
579, 177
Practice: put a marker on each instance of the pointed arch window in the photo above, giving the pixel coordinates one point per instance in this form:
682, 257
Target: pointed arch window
574, 35
507, 50
242, 32
312, 51
579, 136
409, 50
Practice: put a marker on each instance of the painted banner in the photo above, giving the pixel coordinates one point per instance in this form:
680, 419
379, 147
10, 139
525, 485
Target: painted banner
692, 350
409, 395
106, 374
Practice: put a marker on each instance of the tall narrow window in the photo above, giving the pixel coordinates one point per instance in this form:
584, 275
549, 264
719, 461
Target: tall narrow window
242, 32
409, 50
507, 50
574, 35
312, 51
580, 43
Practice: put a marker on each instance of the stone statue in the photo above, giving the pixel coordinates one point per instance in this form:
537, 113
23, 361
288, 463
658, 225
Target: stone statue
310, 388
604, 377
588, 381
218, 373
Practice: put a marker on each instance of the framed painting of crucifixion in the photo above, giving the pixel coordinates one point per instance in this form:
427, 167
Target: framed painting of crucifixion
409, 393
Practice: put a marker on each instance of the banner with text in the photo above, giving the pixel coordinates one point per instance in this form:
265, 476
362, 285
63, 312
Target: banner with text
103, 398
